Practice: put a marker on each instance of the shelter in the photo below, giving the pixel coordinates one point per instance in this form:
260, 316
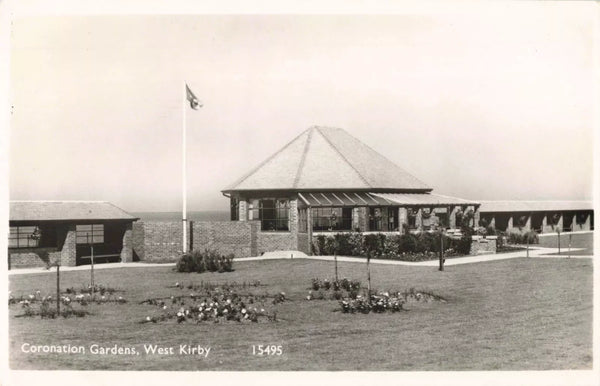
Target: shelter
45, 232
325, 180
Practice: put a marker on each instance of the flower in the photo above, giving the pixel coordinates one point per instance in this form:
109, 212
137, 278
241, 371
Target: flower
148, 318
225, 311
243, 310
164, 307
31, 297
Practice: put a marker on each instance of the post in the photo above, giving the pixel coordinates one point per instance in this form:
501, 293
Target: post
569, 256
558, 233
441, 251
183, 167
58, 288
369, 276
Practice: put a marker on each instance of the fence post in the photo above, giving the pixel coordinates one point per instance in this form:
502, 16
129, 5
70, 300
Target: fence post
441, 251
58, 289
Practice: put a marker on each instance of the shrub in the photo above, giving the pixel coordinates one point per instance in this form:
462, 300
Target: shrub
207, 260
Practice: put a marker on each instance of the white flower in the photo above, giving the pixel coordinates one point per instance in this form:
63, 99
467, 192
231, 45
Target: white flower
177, 284
228, 301
225, 311
31, 297
147, 318
192, 295
308, 297
179, 314
199, 309
164, 307
262, 310
243, 310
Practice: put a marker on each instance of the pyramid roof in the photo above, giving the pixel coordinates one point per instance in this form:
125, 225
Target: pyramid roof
325, 158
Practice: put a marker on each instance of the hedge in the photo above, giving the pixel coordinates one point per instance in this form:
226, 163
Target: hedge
411, 247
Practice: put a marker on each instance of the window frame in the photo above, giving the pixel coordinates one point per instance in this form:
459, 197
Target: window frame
31, 242
95, 234
276, 217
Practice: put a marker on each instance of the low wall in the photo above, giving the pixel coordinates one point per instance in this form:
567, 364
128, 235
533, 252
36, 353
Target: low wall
157, 241
161, 241
227, 237
483, 246
32, 257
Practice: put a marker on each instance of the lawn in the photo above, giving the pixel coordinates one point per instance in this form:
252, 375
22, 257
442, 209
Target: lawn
514, 314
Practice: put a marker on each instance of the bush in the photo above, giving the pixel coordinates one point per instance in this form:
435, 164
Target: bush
207, 260
407, 247
522, 238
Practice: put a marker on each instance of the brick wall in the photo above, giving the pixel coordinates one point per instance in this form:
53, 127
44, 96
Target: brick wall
483, 246
303, 243
276, 241
236, 237
31, 257
157, 241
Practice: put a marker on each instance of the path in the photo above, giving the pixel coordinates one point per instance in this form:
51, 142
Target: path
537, 252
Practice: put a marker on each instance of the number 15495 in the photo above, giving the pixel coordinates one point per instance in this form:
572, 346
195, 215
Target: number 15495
267, 350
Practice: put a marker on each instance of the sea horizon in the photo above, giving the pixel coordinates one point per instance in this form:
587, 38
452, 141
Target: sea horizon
199, 215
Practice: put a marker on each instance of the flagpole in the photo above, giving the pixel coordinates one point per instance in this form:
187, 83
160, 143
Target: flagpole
184, 189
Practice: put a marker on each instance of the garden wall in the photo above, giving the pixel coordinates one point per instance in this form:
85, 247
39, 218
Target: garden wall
480, 246
161, 241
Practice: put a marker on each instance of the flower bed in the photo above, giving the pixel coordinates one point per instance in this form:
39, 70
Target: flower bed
381, 302
72, 301
214, 304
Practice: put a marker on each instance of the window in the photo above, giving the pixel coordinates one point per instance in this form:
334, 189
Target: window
383, 219
332, 219
90, 234
272, 213
24, 237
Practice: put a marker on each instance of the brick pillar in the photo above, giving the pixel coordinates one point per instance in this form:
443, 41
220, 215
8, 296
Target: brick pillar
363, 216
528, 223
293, 216
452, 216
559, 223
574, 226
544, 223
127, 246
510, 225
68, 254
309, 226
476, 216
243, 210
402, 219
419, 219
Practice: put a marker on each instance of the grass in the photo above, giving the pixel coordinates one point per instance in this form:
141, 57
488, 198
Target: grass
517, 314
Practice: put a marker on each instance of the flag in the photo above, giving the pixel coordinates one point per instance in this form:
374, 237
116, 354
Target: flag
194, 102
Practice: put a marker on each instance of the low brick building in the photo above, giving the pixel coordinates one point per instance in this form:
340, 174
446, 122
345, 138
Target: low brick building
539, 216
325, 180
45, 232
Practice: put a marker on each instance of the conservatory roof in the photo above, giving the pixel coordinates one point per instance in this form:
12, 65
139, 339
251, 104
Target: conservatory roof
328, 199
325, 159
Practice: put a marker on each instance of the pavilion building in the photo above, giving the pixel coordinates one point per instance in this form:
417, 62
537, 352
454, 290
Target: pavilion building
325, 180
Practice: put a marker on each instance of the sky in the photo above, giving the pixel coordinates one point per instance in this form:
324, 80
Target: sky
480, 105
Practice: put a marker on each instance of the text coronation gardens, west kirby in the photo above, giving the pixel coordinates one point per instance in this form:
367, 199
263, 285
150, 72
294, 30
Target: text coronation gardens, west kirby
97, 349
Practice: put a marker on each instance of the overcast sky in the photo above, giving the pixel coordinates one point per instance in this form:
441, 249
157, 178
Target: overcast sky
481, 106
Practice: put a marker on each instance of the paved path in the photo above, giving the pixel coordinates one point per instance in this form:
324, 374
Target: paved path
537, 252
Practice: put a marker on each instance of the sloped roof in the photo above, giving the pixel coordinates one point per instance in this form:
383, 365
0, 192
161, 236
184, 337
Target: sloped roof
533, 206
324, 158
423, 199
66, 210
